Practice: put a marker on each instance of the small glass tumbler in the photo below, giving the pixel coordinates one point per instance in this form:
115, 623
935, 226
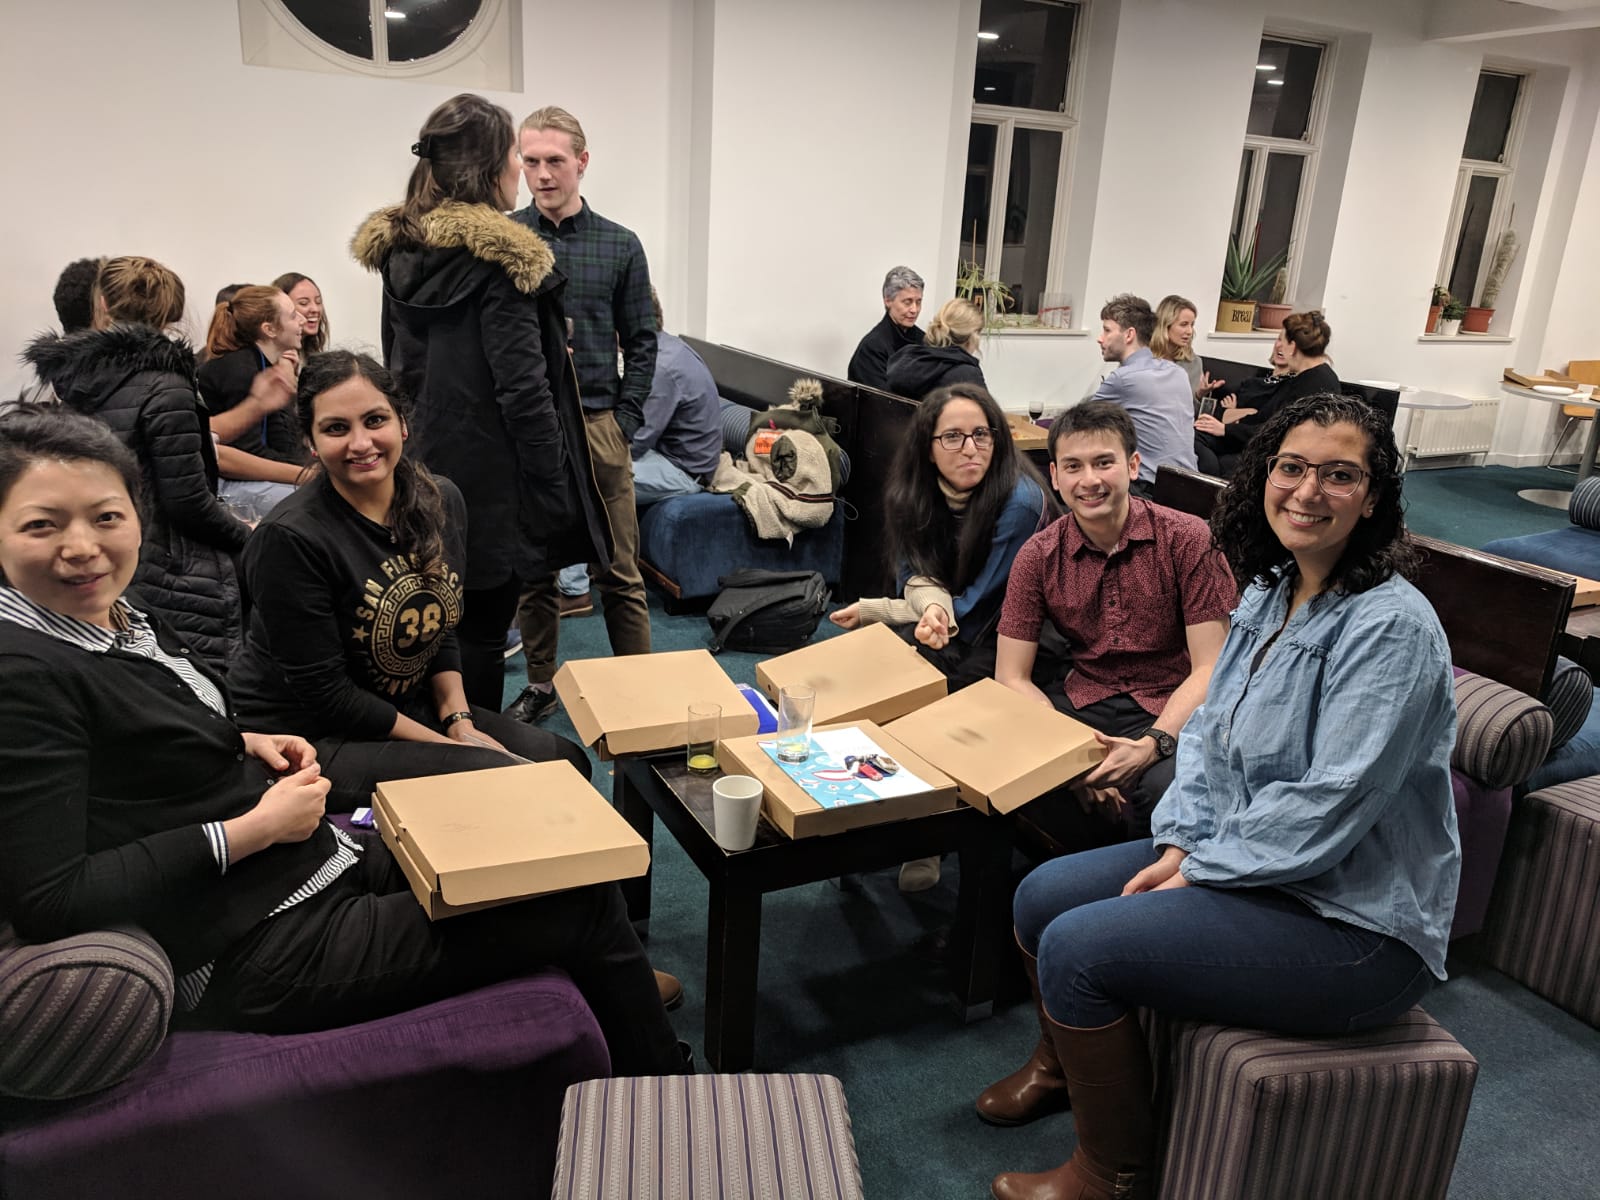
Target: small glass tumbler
705, 727
795, 706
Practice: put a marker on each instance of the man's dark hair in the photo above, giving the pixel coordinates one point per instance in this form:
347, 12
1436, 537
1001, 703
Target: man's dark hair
1378, 547
1094, 416
1131, 312
74, 294
224, 294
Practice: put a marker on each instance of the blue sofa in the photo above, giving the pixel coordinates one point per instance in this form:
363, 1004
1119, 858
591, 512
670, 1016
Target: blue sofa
1574, 548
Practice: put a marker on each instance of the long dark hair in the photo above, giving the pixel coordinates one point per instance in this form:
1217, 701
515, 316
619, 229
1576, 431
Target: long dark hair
1379, 546
923, 533
310, 343
461, 152
417, 514
33, 433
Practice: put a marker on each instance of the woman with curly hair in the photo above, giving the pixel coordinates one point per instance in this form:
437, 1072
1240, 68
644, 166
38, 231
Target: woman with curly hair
1302, 872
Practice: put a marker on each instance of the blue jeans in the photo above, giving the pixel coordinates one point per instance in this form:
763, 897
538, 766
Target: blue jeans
657, 477
1254, 957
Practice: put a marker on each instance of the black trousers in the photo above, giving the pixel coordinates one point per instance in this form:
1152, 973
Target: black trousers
363, 948
355, 767
1123, 716
486, 617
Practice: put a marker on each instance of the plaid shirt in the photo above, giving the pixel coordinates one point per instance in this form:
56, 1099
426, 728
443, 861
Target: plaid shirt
1125, 613
608, 300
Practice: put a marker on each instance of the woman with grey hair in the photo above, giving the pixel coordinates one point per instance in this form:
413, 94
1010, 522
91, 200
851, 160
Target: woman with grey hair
902, 304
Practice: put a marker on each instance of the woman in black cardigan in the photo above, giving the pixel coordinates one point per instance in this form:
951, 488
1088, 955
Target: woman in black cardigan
128, 795
473, 326
1302, 349
357, 586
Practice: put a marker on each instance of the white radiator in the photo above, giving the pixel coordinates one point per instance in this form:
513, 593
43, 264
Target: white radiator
1436, 432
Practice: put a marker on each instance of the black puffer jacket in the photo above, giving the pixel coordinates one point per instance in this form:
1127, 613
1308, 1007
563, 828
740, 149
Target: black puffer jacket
142, 384
473, 325
914, 371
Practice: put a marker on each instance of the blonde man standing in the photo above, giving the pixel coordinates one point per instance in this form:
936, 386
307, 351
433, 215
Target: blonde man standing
607, 301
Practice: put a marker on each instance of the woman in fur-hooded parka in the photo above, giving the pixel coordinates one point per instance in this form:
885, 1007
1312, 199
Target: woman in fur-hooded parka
142, 384
473, 325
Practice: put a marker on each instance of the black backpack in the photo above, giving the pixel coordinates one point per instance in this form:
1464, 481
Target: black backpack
767, 612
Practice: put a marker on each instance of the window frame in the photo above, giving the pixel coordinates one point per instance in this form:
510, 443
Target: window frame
1007, 120
1505, 171
463, 48
1308, 148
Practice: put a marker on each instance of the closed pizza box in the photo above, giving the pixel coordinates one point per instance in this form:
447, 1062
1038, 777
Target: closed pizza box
868, 674
477, 839
639, 703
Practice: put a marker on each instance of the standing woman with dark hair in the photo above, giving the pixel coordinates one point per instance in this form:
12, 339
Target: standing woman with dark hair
307, 297
473, 327
357, 586
130, 374
1303, 869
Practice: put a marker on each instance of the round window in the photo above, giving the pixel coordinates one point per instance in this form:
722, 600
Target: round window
381, 31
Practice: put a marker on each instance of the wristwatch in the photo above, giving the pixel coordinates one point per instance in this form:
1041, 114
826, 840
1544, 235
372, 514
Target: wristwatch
1166, 744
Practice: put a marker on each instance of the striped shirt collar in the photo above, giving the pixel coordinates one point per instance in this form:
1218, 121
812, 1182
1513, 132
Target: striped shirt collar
18, 609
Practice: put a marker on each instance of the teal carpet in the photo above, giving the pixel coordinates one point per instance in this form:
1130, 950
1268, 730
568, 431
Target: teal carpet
850, 987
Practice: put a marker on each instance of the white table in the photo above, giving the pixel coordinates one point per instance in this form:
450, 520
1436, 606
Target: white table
1555, 497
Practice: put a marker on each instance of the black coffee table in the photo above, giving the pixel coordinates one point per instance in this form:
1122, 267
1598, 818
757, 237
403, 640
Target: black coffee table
661, 786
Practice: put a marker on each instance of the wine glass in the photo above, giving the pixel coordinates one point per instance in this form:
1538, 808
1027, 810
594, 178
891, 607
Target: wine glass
1035, 408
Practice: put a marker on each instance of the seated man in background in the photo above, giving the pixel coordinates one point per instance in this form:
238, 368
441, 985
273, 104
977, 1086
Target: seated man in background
1141, 597
902, 304
675, 450
1155, 392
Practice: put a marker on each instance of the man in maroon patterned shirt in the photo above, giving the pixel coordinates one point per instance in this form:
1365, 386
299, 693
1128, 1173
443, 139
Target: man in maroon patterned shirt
1139, 594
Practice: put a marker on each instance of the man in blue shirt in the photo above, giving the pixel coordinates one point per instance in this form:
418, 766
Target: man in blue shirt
1155, 392
675, 450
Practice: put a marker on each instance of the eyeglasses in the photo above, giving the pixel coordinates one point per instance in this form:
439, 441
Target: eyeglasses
953, 439
1336, 479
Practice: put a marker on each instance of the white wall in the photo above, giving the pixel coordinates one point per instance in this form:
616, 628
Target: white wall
136, 129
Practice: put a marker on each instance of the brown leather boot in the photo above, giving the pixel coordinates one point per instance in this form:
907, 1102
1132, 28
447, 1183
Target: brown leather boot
1108, 1073
1035, 1089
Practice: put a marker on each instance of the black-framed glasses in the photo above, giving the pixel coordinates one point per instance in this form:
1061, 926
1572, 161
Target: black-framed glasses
1337, 479
953, 439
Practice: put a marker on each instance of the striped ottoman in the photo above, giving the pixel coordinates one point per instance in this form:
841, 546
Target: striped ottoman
1258, 1116
1544, 925
716, 1137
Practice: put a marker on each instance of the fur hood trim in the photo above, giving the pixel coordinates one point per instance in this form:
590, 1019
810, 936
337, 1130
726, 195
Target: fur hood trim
484, 233
95, 359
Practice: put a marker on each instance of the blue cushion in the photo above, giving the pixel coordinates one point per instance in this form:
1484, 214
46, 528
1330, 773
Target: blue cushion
1571, 549
1578, 759
694, 540
1569, 698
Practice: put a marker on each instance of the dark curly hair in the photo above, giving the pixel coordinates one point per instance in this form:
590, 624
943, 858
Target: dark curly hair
1379, 546
417, 513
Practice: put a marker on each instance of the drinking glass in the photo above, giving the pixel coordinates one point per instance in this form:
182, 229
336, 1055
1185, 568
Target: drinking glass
1035, 408
244, 508
705, 726
795, 706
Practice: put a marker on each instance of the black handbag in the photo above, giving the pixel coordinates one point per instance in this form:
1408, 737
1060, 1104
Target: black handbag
766, 612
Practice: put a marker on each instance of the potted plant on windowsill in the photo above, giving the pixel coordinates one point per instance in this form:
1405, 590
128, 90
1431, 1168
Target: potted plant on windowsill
1478, 317
1441, 297
1271, 312
1450, 318
993, 298
1242, 278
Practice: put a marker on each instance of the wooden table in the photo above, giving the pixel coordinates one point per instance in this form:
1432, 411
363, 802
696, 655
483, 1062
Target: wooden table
661, 786
1025, 433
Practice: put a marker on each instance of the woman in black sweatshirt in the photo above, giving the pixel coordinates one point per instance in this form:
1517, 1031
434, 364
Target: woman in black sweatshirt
128, 795
356, 582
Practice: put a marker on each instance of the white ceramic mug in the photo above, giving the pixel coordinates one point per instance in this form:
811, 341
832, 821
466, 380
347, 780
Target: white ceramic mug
735, 810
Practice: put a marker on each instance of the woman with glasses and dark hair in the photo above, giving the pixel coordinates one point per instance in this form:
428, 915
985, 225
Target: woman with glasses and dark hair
959, 502
1302, 872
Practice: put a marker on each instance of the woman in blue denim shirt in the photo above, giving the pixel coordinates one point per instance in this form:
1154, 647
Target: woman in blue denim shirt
1302, 873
